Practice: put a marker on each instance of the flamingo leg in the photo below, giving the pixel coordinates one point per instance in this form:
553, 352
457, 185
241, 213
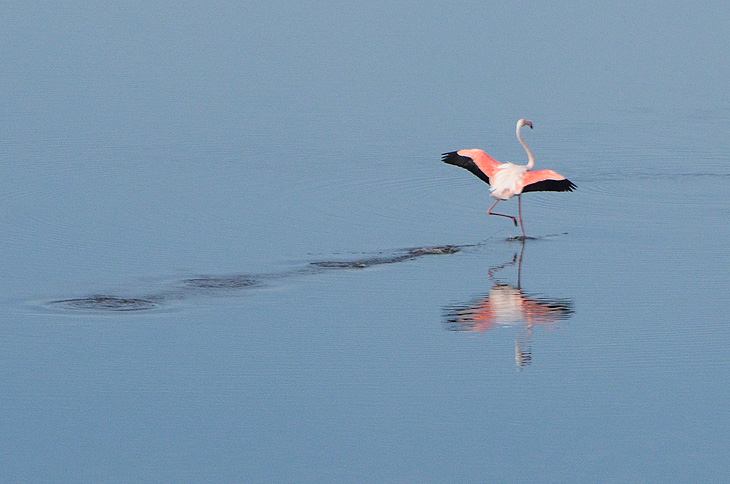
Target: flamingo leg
519, 211
501, 214
519, 266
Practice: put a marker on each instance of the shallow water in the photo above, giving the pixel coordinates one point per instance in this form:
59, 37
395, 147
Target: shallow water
231, 252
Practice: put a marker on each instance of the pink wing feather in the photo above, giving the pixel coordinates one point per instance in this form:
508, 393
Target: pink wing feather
485, 162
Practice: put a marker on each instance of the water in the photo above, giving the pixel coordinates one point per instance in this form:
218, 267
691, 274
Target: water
213, 230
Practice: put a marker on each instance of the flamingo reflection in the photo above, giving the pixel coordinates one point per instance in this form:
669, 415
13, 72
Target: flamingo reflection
507, 305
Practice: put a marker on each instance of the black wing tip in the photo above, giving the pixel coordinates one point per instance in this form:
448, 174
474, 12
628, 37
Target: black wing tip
449, 157
454, 158
563, 185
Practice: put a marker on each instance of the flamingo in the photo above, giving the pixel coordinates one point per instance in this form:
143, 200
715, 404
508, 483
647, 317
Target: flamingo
507, 179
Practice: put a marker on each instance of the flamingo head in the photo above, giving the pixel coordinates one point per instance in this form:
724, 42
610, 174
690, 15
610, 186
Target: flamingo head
524, 122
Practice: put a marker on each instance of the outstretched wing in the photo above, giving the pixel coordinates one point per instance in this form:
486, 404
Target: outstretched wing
546, 181
476, 161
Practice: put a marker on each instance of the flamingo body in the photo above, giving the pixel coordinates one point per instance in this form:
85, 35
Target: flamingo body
486, 167
507, 179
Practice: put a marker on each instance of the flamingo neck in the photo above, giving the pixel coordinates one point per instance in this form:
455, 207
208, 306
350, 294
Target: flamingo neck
530, 157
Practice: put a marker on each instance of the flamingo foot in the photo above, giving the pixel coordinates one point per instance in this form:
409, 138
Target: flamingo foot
521, 238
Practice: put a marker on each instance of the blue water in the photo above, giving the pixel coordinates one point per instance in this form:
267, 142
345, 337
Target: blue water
212, 228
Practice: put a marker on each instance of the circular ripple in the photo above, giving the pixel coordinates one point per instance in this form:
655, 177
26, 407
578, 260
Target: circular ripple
105, 303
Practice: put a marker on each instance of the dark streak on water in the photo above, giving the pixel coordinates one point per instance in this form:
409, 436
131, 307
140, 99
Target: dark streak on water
234, 282
408, 255
215, 284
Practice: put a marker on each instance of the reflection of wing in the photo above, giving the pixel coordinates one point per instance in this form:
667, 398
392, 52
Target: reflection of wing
507, 306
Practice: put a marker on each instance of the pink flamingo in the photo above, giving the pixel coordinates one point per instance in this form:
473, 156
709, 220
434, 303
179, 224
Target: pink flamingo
507, 179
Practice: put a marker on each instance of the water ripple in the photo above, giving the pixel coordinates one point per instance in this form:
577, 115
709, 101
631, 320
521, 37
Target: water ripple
222, 285
104, 303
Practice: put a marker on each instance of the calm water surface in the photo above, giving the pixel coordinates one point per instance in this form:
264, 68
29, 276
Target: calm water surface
214, 222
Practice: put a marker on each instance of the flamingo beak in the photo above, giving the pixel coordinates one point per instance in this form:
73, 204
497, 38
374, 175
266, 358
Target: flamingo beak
528, 123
